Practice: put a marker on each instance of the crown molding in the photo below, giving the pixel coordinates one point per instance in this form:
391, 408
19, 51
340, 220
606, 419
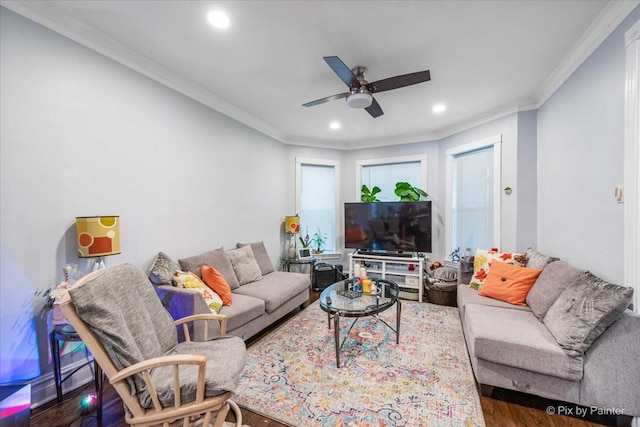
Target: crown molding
49, 16
525, 105
632, 34
608, 20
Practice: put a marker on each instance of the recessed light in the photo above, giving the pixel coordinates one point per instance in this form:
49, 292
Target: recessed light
438, 108
218, 19
334, 125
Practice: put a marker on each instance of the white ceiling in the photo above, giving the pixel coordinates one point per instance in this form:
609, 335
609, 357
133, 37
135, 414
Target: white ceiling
486, 58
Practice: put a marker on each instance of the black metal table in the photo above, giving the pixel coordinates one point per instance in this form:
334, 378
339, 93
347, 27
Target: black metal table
339, 300
64, 333
287, 263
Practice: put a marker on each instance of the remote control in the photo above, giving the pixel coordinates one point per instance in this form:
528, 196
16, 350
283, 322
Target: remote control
328, 300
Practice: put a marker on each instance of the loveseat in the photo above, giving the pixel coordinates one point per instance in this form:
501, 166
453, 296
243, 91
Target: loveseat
255, 305
516, 347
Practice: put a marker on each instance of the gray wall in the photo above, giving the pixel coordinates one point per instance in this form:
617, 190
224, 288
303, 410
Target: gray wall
83, 135
580, 161
526, 192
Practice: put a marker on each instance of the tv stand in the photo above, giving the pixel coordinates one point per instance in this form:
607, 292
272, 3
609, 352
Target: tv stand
406, 269
397, 254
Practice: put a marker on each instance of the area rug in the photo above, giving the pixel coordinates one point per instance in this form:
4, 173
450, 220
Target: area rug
426, 380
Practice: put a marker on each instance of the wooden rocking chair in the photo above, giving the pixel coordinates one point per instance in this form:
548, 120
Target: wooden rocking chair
134, 340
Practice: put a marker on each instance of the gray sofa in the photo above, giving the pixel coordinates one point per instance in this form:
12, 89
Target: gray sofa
255, 305
512, 346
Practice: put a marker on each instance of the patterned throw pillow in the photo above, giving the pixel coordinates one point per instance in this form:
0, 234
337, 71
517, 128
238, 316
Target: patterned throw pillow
484, 258
189, 280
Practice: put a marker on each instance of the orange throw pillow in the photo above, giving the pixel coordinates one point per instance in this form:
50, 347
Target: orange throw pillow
509, 283
217, 283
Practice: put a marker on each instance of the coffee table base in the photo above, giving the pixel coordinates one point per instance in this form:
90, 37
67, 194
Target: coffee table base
336, 328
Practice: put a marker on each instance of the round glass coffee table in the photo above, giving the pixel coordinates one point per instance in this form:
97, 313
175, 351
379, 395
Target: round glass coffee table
341, 300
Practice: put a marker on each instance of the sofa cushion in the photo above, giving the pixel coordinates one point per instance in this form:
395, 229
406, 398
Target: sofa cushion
217, 283
482, 261
509, 283
162, 269
225, 363
262, 256
217, 259
467, 295
584, 310
244, 310
535, 259
276, 288
552, 281
517, 338
244, 265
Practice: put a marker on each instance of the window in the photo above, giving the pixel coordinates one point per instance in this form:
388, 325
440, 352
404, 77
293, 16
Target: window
473, 195
318, 193
384, 173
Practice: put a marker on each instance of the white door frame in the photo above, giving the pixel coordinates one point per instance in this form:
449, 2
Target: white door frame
632, 164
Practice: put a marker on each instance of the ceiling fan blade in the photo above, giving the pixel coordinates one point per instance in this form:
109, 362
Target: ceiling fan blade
374, 109
327, 99
399, 81
341, 70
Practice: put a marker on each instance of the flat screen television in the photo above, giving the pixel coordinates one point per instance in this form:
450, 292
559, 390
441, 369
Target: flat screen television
394, 227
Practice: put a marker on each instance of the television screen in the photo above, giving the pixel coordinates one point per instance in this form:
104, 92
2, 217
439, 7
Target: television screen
388, 226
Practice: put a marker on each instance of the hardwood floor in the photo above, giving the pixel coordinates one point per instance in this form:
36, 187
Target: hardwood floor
504, 409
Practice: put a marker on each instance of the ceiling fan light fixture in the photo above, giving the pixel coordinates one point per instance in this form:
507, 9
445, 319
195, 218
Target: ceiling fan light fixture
359, 100
218, 19
439, 108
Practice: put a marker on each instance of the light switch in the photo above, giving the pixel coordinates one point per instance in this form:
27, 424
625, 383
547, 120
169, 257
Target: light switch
619, 194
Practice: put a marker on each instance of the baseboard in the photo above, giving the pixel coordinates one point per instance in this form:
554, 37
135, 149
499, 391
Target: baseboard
43, 388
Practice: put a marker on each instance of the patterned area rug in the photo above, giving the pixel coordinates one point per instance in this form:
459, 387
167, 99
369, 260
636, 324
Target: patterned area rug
426, 380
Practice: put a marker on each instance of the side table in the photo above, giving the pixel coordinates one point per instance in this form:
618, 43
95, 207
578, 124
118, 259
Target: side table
63, 333
286, 265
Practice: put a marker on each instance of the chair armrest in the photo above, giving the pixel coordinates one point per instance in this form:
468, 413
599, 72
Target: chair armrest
184, 302
176, 361
221, 318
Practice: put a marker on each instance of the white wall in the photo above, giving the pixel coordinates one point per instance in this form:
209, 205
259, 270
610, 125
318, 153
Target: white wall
580, 161
83, 135
526, 192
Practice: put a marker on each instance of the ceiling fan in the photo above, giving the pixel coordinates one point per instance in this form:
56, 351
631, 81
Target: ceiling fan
360, 91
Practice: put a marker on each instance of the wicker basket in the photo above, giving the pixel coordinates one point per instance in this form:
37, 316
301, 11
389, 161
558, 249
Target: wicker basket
443, 293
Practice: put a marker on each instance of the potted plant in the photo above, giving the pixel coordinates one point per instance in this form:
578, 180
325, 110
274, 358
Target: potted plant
306, 241
319, 240
409, 193
369, 196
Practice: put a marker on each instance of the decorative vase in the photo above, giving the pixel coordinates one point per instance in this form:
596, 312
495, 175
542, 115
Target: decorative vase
291, 249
